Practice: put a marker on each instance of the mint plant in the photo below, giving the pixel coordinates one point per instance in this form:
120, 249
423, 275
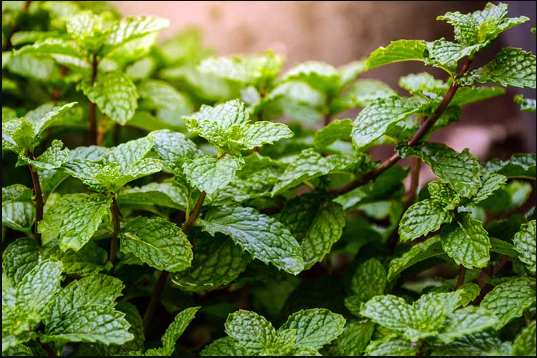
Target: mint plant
166, 210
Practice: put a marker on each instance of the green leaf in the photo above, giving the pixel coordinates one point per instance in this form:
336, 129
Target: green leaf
264, 132
19, 258
490, 183
510, 299
422, 82
460, 170
176, 328
421, 251
466, 242
361, 94
226, 346
315, 224
174, 149
137, 330
75, 219
503, 247
466, 321
37, 68
369, 280
397, 51
217, 262
524, 344
443, 194
97, 290
422, 218
446, 54
526, 104
467, 95
166, 194
52, 158
19, 216
512, 67
114, 94
87, 261
518, 166
165, 99
251, 331
355, 337
95, 323
334, 131
133, 27
157, 242
209, 174
349, 72
477, 344
256, 70
395, 314
376, 119
308, 165
264, 237
524, 242
395, 347
36, 290
315, 327
319, 75
88, 29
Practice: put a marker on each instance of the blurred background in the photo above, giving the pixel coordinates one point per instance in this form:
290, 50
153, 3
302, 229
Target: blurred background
338, 32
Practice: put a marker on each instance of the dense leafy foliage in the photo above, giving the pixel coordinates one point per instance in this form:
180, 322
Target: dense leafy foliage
154, 181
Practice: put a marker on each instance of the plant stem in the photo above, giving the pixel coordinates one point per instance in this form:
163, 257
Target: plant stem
420, 133
46, 348
101, 130
194, 214
92, 107
115, 234
326, 119
38, 199
56, 91
462, 275
414, 182
15, 28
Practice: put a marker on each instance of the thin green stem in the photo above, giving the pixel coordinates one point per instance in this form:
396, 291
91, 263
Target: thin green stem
115, 233
38, 199
462, 276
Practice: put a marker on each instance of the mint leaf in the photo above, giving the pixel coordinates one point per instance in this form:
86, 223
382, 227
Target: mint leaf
361, 94
19, 258
524, 242
19, 216
466, 242
264, 237
166, 194
315, 327
209, 174
75, 219
443, 194
251, 331
87, 261
114, 94
461, 170
176, 329
376, 119
217, 262
264, 132
526, 104
369, 280
422, 218
510, 299
490, 183
512, 67
316, 225
95, 323
397, 51
417, 253
518, 166
52, 158
173, 148
226, 346
318, 75
395, 347
334, 131
477, 344
355, 338
157, 242
466, 321
422, 83
446, 54
88, 29
524, 344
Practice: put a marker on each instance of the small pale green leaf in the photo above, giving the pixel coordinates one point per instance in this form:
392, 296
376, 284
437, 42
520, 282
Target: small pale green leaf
19, 258
87, 261
510, 299
177, 327
264, 132
226, 346
466, 321
518, 166
265, 238
114, 94
208, 174
490, 183
19, 216
336, 130
466, 242
355, 337
319, 75
173, 148
251, 331
52, 158
375, 119
443, 194
157, 242
397, 51
369, 280
166, 194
